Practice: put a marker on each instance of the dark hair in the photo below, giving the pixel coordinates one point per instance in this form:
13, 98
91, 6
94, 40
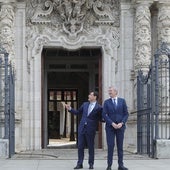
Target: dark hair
95, 93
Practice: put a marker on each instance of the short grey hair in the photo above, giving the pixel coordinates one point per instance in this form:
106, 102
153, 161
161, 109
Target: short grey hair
114, 88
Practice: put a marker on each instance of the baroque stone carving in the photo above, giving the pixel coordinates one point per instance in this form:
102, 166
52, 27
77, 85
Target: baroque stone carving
73, 17
73, 23
142, 38
164, 24
7, 26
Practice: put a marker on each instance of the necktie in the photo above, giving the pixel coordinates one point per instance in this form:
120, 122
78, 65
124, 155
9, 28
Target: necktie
90, 108
114, 102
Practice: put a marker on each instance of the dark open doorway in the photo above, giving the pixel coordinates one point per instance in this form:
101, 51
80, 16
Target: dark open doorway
68, 76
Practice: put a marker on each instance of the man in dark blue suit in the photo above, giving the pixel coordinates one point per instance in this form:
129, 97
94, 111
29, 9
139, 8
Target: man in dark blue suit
115, 114
91, 114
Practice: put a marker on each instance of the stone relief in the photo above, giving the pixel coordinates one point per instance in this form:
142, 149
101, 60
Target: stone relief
164, 24
142, 38
6, 31
73, 21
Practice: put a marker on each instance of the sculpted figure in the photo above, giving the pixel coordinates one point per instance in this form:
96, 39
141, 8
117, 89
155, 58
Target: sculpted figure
77, 7
68, 8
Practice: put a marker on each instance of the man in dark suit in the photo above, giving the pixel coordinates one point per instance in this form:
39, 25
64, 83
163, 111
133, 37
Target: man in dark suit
91, 114
115, 114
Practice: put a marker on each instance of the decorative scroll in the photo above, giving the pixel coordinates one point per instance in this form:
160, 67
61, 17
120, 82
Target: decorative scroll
142, 38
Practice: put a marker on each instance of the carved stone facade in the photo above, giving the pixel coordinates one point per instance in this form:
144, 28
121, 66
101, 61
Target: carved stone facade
121, 29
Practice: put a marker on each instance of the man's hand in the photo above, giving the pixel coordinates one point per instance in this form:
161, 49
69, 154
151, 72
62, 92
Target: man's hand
115, 125
68, 107
119, 125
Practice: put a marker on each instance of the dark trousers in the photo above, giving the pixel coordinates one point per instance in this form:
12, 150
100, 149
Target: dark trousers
84, 137
111, 133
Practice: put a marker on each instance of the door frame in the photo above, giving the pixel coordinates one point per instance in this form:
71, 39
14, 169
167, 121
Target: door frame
44, 122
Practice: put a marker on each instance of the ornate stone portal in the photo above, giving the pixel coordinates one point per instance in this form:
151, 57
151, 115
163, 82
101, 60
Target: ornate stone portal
69, 24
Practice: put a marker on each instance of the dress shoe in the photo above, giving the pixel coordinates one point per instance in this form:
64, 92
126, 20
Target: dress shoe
91, 167
122, 168
108, 168
78, 167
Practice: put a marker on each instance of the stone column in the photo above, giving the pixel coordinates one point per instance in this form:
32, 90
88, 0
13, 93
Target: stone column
164, 23
142, 37
7, 27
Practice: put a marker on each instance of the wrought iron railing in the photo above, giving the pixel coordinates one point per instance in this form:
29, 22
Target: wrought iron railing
153, 102
7, 101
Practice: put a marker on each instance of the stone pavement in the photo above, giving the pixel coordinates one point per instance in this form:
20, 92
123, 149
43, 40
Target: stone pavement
65, 159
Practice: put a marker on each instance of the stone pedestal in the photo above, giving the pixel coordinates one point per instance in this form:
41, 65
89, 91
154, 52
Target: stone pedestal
162, 149
4, 148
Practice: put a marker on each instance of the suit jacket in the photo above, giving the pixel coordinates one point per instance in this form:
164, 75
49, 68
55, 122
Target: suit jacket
116, 115
91, 120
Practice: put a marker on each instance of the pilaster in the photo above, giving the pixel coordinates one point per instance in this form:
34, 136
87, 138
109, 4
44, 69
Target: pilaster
125, 59
21, 83
125, 63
